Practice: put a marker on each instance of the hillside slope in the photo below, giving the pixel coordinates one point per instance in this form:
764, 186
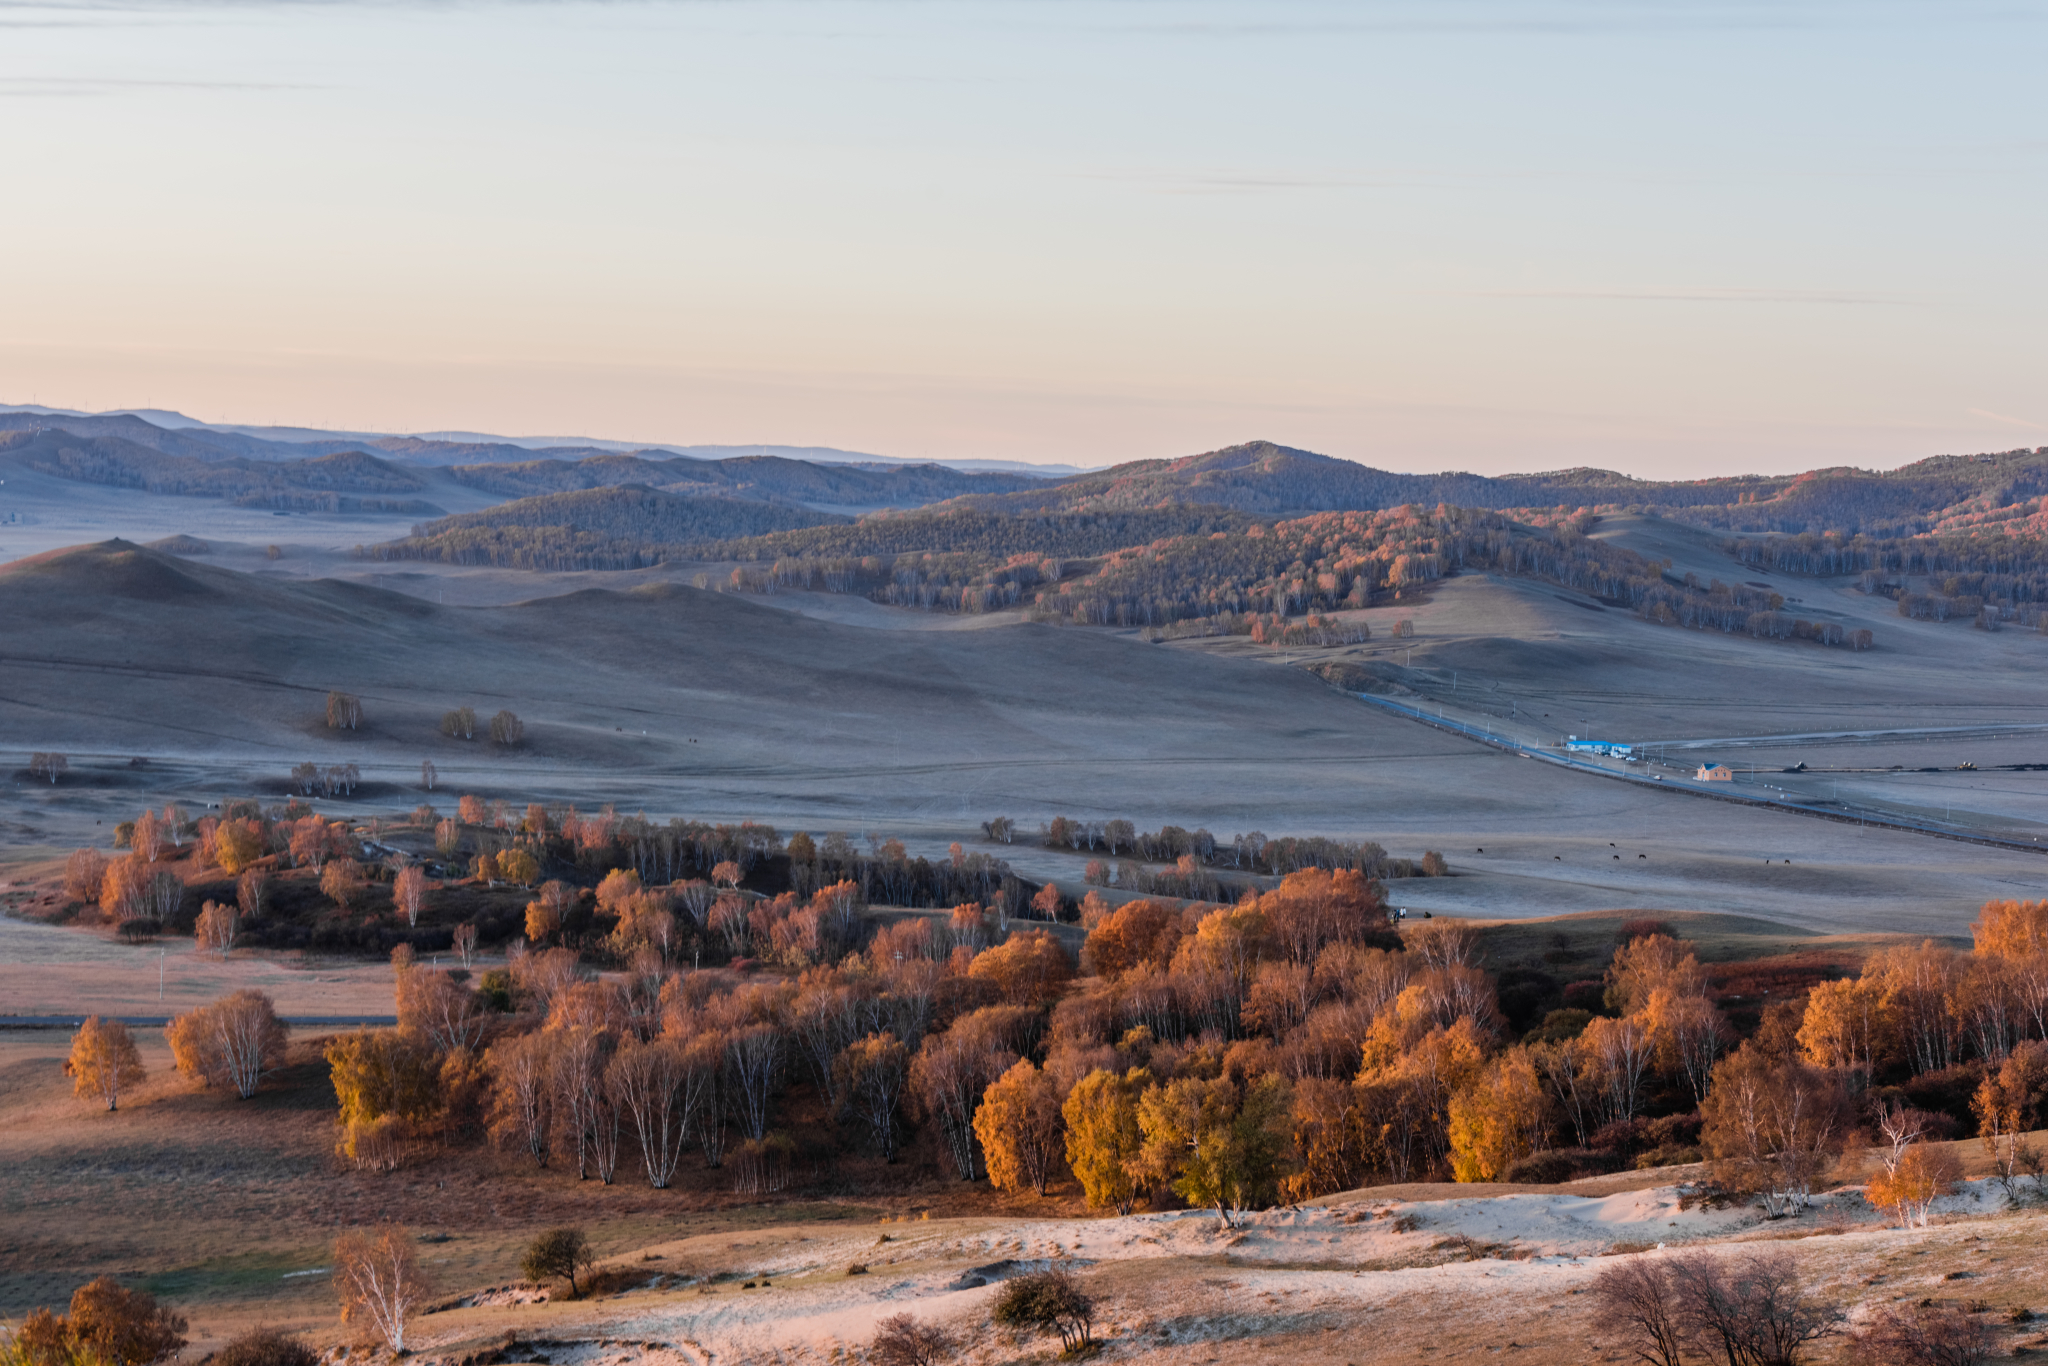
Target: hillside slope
1260, 476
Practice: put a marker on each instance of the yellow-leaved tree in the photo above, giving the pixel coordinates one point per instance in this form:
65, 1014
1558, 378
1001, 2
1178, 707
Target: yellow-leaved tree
1923, 1174
387, 1083
1497, 1120
518, 867
104, 1061
1103, 1138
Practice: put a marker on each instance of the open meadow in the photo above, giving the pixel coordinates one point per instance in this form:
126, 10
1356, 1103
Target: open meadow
203, 680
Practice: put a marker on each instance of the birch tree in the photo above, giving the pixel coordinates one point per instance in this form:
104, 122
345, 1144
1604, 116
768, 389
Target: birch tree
380, 1282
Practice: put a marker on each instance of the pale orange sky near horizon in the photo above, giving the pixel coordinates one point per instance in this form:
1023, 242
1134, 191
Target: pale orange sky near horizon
1672, 239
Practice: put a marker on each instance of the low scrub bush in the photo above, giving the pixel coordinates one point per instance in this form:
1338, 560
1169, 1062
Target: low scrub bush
265, 1347
1050, 1301
901, 1340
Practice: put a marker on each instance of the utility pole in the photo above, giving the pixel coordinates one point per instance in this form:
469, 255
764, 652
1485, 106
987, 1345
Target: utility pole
160, 974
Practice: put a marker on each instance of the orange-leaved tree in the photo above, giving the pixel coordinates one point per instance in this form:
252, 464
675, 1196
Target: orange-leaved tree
1026, 968
1019, 1128
125, 889
1923, 1174
341, 880
233, 1043
217, 926
379, 1280
1497, 1120
109, 1325
104, 1061
409, 890
83, 873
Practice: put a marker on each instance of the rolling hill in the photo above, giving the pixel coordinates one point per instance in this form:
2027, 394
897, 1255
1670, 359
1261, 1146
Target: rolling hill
343, 481
610, 527
765, 478
1262, 477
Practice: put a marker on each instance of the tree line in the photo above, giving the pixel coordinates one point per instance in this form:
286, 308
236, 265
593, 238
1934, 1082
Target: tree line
1292, 1042
1286, 1046
1990, 575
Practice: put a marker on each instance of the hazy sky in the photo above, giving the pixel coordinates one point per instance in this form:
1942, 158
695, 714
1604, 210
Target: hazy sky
1672, 239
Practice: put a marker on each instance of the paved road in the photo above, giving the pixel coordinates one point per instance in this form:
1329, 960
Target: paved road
1713, 791
1882, 733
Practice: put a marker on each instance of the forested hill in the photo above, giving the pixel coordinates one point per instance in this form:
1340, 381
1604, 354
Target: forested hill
623, 527
198, 443
1262, 477
353, 481
1259, 478
764, 478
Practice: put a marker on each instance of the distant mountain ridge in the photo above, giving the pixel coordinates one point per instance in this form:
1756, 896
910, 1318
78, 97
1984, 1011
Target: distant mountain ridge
766, 478
456, 448
1263, 477
346, 481
1259, 478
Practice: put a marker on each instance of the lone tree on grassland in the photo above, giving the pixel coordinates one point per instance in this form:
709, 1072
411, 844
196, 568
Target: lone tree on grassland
460, 723
1747, 1310
51, 766
379, 1280
1635, 1298
104, 1061
233, 1043
428, 773
507, 729
1050, 1300
558, 1252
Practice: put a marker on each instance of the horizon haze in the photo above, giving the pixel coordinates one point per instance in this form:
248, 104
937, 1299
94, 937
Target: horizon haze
1673, 240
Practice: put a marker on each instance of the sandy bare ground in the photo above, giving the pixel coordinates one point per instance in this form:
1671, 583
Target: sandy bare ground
1360, 1278
227, 1209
